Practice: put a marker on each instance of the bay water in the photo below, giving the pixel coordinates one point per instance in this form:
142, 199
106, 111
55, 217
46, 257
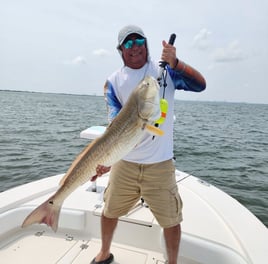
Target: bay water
225, 144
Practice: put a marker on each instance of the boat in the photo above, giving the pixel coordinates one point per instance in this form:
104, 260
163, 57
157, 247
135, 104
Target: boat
216, 228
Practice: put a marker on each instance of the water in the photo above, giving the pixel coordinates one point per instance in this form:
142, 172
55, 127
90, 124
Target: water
225, 144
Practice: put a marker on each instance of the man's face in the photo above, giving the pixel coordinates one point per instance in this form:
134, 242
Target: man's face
134, 51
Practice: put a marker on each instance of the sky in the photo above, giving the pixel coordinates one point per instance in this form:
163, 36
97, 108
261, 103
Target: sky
68, 46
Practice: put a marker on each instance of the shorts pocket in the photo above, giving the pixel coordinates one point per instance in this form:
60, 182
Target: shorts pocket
175, 193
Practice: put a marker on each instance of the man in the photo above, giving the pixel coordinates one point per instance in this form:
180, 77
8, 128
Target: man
148, 170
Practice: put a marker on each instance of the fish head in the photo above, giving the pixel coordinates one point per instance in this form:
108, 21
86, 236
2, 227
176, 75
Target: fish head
148, 99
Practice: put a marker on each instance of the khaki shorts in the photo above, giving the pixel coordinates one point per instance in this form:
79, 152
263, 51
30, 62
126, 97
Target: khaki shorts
154, 182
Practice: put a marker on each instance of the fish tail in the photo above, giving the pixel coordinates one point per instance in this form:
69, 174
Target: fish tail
47, 213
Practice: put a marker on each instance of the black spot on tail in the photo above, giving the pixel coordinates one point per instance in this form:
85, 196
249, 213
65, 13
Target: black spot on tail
51, 202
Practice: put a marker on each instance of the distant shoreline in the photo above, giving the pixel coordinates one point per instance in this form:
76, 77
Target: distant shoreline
97, 95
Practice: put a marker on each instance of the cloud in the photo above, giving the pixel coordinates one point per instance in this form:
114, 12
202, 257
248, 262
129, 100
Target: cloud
101, 52
233, 52
201, 39
78, 60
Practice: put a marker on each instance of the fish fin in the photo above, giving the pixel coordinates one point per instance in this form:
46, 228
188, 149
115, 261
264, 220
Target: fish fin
46, 213
62, 181
154, 130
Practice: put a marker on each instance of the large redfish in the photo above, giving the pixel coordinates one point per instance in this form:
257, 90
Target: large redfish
126, 130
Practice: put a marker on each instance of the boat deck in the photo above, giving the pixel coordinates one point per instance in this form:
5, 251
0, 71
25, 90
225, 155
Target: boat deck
43, 247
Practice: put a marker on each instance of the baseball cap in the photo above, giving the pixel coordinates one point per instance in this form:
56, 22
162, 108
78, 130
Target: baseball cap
126, 31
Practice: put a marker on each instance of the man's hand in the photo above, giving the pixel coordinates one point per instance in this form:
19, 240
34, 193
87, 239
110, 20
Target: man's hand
169, 54
100, 170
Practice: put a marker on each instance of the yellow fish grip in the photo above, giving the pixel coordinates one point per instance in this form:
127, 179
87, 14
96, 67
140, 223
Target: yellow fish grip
164, 110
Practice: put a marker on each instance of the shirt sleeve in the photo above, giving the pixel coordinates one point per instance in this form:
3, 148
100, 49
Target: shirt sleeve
112, 102
182, 82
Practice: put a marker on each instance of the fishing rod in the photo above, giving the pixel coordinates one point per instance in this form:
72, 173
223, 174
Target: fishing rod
163, 64
162, 76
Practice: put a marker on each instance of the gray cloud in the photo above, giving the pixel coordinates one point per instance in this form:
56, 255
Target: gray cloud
201, 39
233, 52
78, 60
101, 52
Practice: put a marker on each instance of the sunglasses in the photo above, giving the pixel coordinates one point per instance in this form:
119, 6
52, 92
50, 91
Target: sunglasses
129, 43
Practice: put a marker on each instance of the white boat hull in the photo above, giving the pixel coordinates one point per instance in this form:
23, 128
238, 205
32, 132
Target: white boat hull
216, 228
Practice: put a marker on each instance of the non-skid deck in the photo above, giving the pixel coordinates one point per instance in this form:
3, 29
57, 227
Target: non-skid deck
45, 248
